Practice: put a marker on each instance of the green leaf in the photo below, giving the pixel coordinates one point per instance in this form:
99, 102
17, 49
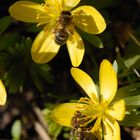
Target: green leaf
133, 61
54, 129
8, 40
93, 39
132, 56
132, 102
4, 24
36, 78
43, 70
20, 68
16, 130
131, 120
34, 29
15, 83
126, 91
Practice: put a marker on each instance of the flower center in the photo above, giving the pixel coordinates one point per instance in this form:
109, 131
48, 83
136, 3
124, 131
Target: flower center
47, 14
88, 118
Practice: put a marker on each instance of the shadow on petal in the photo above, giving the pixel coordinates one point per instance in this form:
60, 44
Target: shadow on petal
43, 57
76, 49
89, 19
44, 47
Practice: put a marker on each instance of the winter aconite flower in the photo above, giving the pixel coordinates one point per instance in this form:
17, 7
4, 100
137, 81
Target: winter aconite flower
59, 19
95, 114
3, 94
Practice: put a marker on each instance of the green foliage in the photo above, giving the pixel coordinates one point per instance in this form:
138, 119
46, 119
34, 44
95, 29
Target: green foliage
19, 67
92, 39
130, 94
132, 119
16, 130
8, 40
4, 24
127, 91
132, 56
54, 129
132, 102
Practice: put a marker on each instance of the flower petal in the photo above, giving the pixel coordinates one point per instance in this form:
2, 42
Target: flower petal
111, 129
98, 134
69, 4
75, 48
108, 82
117, 110
3, 94
44, 47
97, 125
56, 5
64, 113
26, 11
89, 19
86, 83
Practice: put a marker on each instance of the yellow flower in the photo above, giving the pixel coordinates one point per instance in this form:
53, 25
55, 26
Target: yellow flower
96, 114
3, 94
54, 14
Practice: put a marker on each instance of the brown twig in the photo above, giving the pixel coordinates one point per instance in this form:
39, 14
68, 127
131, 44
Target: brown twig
41, 131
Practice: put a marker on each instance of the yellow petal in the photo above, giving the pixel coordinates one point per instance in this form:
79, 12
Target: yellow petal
26, 11
68, 4
111, 129
44, 47
117, 110
56, 5
108, 82
75, 48
98, 134
3, 94
86, 83
97, 125
64, 113
89, 19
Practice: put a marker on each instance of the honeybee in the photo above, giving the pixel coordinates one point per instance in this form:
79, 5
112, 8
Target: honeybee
62, 31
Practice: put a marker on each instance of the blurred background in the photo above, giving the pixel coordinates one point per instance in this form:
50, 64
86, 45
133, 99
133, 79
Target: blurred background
35, 89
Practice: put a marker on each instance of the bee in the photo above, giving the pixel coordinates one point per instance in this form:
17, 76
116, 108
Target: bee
62, 31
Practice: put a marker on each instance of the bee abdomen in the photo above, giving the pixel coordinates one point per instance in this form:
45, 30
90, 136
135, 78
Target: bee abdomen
61, 36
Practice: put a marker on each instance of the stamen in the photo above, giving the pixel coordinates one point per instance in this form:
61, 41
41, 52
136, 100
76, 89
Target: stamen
85, 100
38, 14
112, 128
85, 121
96, 125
